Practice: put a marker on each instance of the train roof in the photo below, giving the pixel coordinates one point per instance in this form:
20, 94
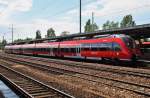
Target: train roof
137, 32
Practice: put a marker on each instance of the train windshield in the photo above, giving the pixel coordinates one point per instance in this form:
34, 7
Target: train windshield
130, 43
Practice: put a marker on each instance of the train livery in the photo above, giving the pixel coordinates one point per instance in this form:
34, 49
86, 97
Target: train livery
109, 47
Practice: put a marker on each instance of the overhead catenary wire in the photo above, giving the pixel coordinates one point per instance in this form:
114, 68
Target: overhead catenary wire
69, 9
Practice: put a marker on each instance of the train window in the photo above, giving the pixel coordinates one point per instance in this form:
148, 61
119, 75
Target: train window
129, 42
109, 46
55, 49
86, 47
36, 49
95, 47
48, 49
116, 47
104, 46
62, 49
67, 49
73, 50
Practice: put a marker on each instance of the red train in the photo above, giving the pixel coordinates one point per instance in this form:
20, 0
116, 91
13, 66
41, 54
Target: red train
110, 47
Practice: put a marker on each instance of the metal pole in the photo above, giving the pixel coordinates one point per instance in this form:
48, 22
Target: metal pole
3, 38
80, 18
92, 21
12, 33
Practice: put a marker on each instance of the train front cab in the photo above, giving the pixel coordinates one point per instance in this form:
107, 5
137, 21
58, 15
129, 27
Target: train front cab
132, 50
122, 48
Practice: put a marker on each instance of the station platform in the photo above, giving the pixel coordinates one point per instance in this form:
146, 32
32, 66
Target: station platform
6, 92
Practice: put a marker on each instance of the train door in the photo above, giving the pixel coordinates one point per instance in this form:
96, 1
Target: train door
116, 50
113, 50
51, 51
78, 50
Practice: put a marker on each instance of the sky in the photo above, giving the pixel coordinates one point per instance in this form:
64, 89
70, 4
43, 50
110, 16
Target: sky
27, 16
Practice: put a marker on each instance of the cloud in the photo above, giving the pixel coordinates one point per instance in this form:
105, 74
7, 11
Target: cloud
103, 10
114, 10
11, 7
22, 5
28, 29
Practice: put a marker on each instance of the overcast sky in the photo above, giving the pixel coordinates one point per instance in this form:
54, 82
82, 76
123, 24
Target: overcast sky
63, 15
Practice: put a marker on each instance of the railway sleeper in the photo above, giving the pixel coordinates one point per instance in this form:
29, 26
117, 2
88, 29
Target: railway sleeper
23, 83
41, 94
30, 87
36, 91
27, 85
48, 96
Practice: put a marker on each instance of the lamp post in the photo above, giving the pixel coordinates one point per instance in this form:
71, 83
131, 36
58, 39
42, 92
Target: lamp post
80, 18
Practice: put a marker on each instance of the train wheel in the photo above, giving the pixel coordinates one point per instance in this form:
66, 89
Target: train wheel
103, 59
116, 61
62, 56
134, 58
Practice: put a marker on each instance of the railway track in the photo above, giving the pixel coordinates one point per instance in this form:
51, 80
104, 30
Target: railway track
27, 87
134, 87
77, 65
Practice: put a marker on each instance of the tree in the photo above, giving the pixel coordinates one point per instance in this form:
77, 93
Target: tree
106, 25
114, 25
110, 25
50, 33
64, 33
95, 27
90, 27
28, 39
38, 34
18, 40
4, 42
127, 21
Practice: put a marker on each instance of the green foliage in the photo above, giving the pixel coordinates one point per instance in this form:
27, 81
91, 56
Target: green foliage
127, 21
2, 44
28, 39
90, 27
38, 34
20, 40
64, 33
95, 27
110, 25
50, 33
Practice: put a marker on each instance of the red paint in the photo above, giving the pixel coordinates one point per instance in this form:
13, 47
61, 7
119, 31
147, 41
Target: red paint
125, 53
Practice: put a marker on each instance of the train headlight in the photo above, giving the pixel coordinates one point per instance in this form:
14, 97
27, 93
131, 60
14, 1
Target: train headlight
117, 53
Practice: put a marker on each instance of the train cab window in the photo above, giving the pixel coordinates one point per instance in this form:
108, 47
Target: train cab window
130, 43
116, 47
